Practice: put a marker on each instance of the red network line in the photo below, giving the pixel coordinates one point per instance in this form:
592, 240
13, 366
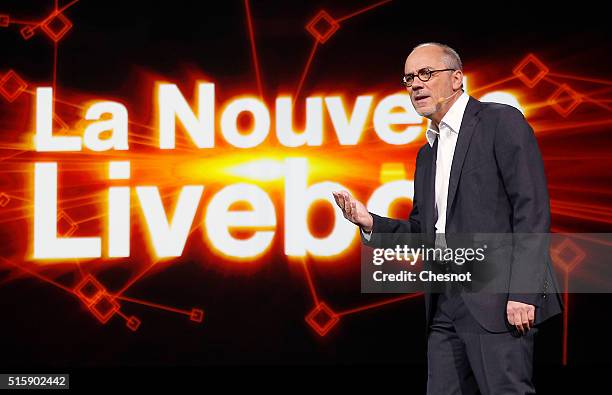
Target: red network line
334, 317
361, 11
305, 72
580, 78
380, 304
195, 314
22, 22
37, 275
565, 319
55, 54
253, 48
321, 40
311, 287
493, 84
154, 305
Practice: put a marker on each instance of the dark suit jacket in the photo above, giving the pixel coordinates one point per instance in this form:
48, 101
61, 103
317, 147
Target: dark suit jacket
497, 185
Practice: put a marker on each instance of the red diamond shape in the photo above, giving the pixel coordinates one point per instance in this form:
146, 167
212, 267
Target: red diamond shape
565, 94
11, 86
27, 32
4, 199
196, 315
104, 307
65, 225
567, 255
322, 26
4, 20
322, 319
56, 26
133, 323
525, 70
89, 289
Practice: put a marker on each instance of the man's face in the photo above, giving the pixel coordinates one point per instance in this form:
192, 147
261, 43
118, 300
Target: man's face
429, 98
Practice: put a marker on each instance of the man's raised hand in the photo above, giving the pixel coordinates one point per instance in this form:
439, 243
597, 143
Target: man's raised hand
354, 210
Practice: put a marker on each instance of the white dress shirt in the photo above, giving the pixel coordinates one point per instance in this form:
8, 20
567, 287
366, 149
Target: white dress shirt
447, 133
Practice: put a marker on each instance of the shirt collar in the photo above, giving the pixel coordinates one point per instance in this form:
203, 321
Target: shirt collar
452, 119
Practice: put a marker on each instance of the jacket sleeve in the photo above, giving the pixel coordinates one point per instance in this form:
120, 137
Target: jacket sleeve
388, 232
522, 171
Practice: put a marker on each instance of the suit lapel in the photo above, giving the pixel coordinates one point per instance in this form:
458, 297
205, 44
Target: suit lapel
468, 124
430, 189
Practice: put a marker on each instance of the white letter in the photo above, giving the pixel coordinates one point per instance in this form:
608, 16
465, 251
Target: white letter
384, 118
119, 211
46, 242
172, 104
219, 219
44, 140
384, 195
348, 130
261, 122
169, 239
118, 125
298, 198
313, 132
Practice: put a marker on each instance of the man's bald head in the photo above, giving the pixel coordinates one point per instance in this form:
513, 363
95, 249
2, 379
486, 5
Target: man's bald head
451, 58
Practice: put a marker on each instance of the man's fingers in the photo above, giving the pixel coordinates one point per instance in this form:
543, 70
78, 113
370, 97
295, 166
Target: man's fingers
521, 315
348, 204
531, 316
336, 196
341, 201
524, 320
517, 322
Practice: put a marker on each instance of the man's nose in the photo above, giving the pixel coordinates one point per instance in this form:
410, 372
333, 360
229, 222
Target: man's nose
417, 84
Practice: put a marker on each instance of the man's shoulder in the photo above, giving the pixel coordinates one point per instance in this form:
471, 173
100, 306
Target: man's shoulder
499, 111
508, 122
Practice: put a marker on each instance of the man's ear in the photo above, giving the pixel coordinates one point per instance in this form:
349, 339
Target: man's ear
457, 79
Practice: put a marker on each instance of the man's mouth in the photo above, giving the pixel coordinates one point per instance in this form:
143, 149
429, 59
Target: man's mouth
420, 98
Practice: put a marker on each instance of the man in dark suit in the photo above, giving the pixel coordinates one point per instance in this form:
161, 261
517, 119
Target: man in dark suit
480, 173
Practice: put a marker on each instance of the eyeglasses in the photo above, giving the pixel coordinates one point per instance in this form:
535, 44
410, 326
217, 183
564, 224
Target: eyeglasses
423, 74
